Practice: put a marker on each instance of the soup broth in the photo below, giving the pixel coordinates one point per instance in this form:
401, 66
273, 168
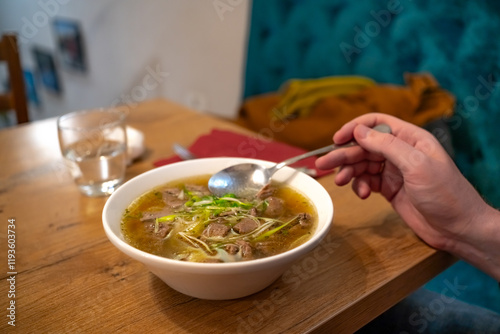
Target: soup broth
182, 220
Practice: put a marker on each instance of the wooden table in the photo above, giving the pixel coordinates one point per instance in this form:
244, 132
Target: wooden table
68, 278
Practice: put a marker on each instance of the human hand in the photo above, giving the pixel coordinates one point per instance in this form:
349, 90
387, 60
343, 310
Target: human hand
413, 172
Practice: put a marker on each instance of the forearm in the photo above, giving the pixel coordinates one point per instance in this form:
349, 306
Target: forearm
481, 245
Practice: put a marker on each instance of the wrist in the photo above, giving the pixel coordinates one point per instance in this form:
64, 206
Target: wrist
480, 243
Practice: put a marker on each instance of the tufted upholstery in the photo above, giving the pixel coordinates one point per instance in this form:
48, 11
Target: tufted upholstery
455, 40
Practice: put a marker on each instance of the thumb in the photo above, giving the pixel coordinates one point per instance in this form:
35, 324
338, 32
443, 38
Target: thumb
393, 149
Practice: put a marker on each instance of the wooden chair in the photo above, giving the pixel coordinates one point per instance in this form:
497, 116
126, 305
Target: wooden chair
16, 98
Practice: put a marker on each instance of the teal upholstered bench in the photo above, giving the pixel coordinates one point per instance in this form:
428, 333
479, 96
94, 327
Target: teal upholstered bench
455, 40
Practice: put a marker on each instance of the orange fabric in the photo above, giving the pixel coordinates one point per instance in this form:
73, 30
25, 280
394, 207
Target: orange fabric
420, 101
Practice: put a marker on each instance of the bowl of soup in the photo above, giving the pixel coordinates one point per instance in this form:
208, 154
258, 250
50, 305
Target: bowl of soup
213, 247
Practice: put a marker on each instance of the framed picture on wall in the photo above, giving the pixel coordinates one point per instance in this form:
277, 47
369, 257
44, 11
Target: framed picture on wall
69, 41
31, 91
47, 70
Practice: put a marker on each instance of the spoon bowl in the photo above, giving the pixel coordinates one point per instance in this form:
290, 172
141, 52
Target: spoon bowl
246, 180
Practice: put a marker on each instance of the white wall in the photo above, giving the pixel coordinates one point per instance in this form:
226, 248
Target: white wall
195, 48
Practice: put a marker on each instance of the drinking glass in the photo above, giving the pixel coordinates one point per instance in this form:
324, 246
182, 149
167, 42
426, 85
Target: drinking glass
94, 146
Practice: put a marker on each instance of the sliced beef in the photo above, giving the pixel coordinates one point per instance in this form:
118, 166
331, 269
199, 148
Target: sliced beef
303, 221
246, 225
174, 192
197, 189
245, 249
156, 214
266, 191
275, 207
227, 213
173, 197
216, 230
241, 246
253, 212
162, 232
231, 249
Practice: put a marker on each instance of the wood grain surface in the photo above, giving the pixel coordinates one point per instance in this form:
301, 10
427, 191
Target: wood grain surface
71, 279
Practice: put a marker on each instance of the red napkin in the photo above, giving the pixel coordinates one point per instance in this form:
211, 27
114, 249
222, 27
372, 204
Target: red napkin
221, 143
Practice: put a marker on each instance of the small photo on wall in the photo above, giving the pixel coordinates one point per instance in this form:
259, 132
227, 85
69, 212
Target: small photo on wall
69, 41
31, 91
46, 69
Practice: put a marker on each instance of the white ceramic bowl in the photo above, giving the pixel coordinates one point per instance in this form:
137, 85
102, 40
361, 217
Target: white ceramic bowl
214, 280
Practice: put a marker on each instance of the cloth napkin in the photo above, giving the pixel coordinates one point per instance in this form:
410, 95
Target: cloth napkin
222, 143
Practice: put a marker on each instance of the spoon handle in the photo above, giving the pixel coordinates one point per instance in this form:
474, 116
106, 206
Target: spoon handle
321, 150
381, 128
183, 152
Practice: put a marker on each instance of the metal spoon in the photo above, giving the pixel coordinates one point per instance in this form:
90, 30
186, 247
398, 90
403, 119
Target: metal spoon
246, 180
183, 152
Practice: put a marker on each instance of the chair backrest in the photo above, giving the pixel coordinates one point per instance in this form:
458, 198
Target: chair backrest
16, 97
